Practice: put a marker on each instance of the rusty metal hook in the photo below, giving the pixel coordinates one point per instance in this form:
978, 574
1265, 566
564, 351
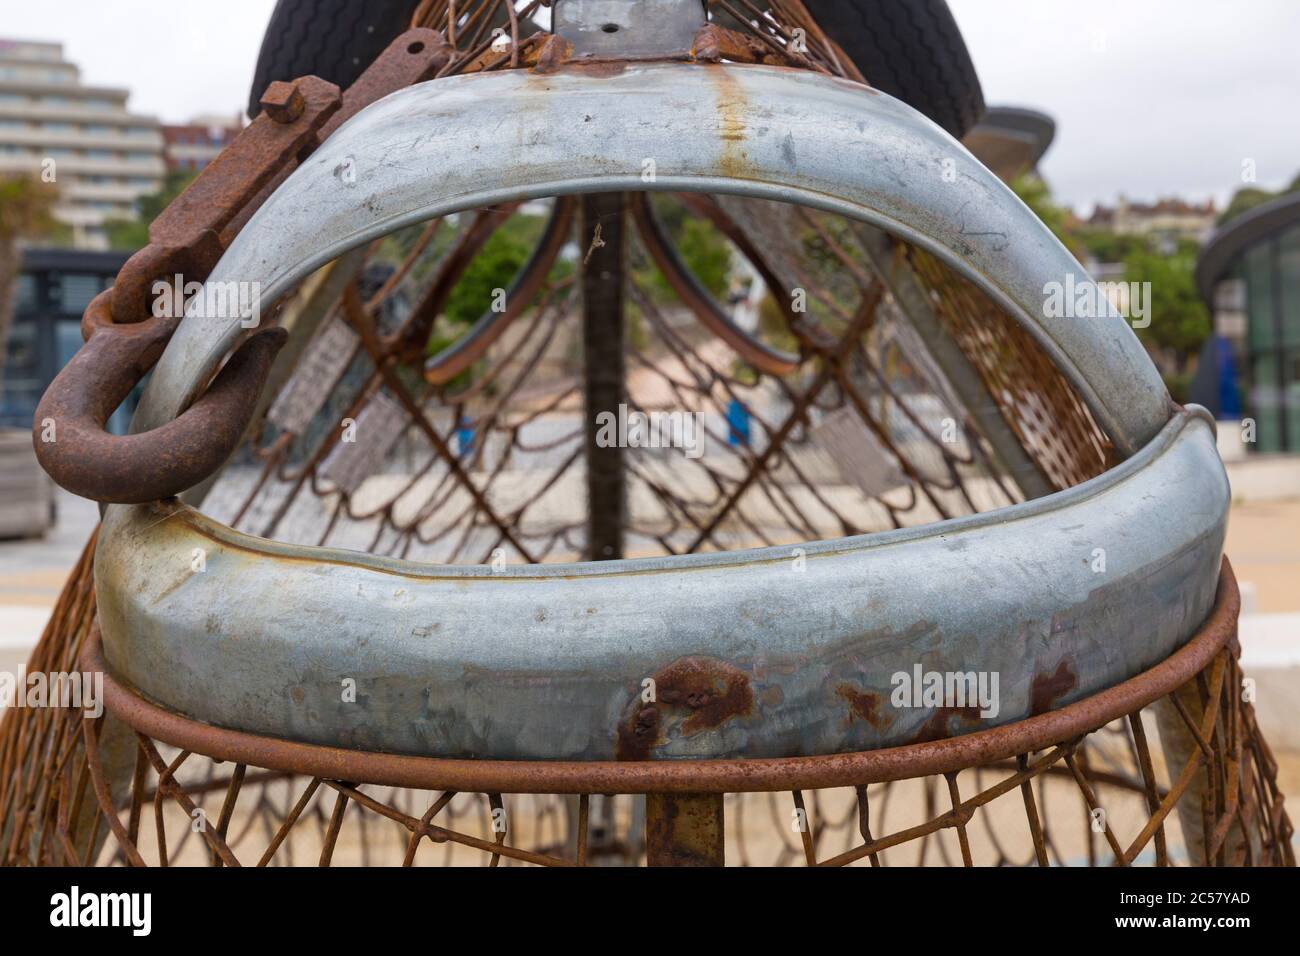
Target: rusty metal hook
80, 455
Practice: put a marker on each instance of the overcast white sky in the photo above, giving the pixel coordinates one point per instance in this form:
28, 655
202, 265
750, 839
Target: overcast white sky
1151, 97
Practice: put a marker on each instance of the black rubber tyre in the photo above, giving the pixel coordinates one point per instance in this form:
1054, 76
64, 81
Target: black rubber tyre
912, 50
333, 39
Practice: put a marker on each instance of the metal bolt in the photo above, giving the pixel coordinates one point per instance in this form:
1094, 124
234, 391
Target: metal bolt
283, 101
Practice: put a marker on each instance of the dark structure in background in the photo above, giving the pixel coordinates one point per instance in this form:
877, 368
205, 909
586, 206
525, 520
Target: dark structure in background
1249, 274
53, 290
1010, 140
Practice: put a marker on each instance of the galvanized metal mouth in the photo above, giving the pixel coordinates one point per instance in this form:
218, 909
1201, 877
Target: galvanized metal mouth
753, 653
174, 512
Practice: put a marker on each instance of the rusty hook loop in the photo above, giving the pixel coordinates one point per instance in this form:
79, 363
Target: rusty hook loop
77, 451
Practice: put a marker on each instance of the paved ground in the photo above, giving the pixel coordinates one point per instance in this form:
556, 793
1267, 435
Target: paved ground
1264, 547
32, 573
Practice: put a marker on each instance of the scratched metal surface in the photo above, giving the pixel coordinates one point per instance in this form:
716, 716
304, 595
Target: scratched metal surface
751, 656
758, 131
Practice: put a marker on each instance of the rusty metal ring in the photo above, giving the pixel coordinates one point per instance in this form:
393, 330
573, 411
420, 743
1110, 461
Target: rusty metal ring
441, 368
731, 775
81, 456
688, 288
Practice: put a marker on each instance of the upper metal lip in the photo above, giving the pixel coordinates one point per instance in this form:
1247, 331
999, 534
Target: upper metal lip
766, 132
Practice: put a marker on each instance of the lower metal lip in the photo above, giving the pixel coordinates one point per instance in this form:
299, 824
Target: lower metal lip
749, 655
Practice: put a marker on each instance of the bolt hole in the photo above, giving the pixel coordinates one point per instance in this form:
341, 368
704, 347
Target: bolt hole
610, 28
416, 47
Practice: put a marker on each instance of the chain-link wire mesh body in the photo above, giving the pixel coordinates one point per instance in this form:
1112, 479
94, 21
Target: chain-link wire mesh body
424, 420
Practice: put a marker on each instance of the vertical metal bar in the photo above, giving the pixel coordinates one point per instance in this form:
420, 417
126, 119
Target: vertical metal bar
336, 824
584, 810
603, 245
864, 821
805, 829
1148, 781
684, 829
954, 796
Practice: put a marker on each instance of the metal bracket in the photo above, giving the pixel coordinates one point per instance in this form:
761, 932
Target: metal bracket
629, 29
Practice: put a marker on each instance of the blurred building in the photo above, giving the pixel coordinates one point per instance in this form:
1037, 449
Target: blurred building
188, 147
1165, 220
1249, 274
83, 138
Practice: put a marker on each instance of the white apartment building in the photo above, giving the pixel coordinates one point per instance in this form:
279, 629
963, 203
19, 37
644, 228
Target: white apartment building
102, 157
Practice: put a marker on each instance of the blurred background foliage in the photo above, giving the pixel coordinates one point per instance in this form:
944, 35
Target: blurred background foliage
1180, 322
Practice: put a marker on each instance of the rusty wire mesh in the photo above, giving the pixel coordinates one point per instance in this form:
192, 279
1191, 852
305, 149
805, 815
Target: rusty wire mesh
467, 454
853, 441
1098, 798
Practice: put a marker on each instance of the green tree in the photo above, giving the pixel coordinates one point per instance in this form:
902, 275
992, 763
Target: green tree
494, 267
703, 250
1180, 322
1244, 200
1248, 197
26, 212
1106, 246
501, 257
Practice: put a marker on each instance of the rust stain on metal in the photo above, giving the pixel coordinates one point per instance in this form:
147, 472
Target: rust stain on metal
638, 735
555, 52
864, 705
684, 829
710, 691
731, 112
1046, 688
601, 69
713, 691
938, 726
713, 44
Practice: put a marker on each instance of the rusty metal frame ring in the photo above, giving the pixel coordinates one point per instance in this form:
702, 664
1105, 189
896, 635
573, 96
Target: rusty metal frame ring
692, 293
760, 653
468, 663
697, 776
